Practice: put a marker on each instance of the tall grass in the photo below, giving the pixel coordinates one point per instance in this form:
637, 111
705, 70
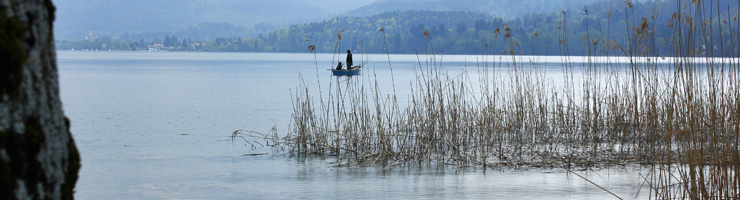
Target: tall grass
678, 115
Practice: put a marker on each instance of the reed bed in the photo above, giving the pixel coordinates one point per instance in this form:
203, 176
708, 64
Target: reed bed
677, 115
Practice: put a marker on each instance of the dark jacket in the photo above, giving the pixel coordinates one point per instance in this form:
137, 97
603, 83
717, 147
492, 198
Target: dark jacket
349, 59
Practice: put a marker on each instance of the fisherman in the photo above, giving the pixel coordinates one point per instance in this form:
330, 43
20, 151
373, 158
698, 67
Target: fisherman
339, 66
349, 60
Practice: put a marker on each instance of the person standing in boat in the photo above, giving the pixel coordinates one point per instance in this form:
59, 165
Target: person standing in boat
349, 60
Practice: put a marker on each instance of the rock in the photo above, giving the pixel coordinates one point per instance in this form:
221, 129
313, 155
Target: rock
38, 157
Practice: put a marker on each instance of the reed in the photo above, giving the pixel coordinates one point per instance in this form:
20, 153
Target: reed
678, 115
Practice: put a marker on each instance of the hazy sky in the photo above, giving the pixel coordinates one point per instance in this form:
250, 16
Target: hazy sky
75, 18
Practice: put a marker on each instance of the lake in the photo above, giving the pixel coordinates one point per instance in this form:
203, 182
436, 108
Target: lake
158, 125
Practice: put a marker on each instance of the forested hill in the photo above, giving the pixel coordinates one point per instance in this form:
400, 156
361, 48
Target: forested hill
503, 8
403, 31
574, 32
609, 25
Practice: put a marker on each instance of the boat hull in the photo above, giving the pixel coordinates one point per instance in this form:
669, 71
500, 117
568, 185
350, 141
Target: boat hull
355, 71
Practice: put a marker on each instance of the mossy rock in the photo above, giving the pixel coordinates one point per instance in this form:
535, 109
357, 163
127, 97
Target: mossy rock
12, 54
73, 166
22, 149
8, 181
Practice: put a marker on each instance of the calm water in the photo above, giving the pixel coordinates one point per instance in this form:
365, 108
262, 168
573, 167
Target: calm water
157, 125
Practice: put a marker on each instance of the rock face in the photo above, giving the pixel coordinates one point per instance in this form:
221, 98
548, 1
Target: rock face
38, 158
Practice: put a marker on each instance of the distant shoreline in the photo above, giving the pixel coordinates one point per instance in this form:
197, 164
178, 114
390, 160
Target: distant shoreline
445, 58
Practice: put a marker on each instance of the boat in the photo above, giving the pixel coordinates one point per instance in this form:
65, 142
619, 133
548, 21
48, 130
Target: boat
344, 72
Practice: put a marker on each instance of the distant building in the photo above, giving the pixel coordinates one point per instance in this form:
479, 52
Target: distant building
156, 47
90, 36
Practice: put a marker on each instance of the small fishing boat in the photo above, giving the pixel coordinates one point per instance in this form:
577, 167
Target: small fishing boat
344, 72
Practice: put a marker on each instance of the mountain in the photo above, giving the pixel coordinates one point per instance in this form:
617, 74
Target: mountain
77, 18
